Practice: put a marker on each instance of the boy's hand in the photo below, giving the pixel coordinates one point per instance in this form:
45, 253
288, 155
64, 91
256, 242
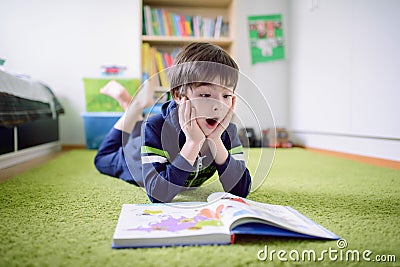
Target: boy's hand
188, 122
214, 139
194, 135
216, 134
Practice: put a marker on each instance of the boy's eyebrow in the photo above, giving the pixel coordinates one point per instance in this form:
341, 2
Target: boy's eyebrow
208, 84
225, 88
212, 85
205, 84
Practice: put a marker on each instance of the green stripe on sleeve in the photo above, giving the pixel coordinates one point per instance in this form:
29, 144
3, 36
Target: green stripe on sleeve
152, 150
236, 150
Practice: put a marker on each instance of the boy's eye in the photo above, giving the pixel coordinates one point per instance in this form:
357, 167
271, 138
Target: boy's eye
205, 95
227, 96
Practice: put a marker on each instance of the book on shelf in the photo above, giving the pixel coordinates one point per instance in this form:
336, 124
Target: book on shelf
208, 26
188, 25
156, 61
147, 15
154, 65
159, 21
218, 26
146, 62
161, 66
216, 221
196, 26
166, 18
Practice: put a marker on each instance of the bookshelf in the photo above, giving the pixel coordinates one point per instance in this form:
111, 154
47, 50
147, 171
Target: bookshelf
167, 41
224, 42
208, 9
161, 41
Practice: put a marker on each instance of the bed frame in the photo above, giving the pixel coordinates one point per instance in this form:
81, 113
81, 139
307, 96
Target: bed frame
28, 141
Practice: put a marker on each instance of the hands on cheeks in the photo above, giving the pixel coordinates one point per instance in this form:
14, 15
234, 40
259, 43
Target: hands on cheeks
188, 122
195, 137
192, 130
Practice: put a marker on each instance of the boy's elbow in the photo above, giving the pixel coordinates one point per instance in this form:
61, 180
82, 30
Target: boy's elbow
154, 200
156, 197
96, 162
242, 189
102, 165
240, 193
160, 193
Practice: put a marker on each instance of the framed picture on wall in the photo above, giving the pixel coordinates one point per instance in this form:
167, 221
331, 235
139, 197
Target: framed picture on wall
266, 38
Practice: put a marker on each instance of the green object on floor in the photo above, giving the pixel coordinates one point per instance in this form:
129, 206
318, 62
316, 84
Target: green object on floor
63, 213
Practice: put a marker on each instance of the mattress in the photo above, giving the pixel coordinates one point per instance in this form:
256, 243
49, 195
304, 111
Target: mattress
23, 99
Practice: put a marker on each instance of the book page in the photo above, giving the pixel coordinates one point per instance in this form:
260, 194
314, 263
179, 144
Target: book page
240, 210
165, 221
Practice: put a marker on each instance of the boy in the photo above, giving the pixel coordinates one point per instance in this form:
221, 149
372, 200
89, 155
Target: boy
192, 137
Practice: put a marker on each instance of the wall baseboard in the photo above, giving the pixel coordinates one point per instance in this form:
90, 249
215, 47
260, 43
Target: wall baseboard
374, 147
72, 147
370, 160
16, 157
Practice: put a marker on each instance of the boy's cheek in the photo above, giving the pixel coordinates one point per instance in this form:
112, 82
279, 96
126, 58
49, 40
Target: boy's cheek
201, 112
201, 107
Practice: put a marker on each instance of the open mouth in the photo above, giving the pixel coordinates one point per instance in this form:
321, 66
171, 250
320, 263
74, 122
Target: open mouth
212, 122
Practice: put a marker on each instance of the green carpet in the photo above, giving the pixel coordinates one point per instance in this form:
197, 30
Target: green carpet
64, 213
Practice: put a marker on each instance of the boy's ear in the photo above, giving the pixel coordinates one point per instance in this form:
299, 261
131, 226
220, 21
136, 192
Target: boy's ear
177, 98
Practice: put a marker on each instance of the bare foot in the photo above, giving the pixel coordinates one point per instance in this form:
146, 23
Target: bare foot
115, 90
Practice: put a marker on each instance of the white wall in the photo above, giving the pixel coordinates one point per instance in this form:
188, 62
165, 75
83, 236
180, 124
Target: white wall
60, 42
337, 87
344, 75
272, 78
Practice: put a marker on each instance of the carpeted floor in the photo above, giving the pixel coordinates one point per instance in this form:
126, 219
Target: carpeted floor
63, 213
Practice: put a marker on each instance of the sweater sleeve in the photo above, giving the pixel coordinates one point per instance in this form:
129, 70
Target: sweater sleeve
233, 174
164, 177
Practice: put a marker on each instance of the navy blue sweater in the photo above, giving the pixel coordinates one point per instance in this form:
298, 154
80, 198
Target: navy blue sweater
151, 159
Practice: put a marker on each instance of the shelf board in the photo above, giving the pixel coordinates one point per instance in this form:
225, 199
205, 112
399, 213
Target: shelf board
177, 40
189, 3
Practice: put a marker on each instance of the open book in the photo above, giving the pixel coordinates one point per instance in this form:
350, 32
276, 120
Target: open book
216, 221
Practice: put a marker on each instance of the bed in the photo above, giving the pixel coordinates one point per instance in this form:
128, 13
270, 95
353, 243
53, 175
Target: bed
29, 113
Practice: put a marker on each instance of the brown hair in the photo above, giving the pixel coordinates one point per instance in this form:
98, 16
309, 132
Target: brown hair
200, 63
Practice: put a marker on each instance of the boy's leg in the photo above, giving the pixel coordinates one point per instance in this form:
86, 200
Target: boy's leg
110, 153
133, 107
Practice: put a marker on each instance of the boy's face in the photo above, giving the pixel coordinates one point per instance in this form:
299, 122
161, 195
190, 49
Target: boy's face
212, 102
